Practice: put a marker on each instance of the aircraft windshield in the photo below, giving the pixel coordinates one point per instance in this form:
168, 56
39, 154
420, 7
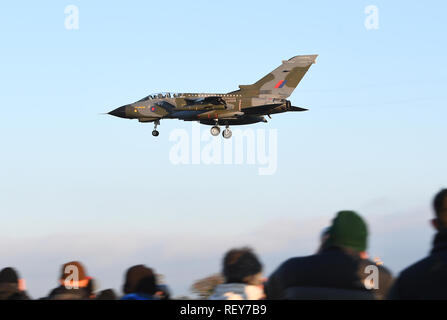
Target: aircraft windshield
160, 96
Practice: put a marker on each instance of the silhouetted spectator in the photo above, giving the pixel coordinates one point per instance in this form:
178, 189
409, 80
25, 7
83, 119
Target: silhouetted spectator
11, 286
140, 284
337, 271
427, 278
107, 294
91, 287
163, 292
243, 277
323, 238
74, 283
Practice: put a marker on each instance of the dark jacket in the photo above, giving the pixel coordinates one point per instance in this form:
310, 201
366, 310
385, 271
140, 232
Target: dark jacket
334, 273
10, 291
62, 293
426, 279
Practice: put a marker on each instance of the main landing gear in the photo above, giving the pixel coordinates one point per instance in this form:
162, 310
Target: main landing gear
155, 132
226, 133
215, 130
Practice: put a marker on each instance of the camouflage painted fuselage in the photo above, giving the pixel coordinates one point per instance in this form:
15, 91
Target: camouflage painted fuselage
247, 105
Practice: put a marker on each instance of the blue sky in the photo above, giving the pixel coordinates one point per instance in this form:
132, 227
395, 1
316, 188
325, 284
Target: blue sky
373, 140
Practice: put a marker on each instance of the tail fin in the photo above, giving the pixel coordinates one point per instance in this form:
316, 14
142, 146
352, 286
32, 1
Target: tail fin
283, 80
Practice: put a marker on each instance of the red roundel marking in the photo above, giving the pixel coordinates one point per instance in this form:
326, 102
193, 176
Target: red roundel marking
153, 109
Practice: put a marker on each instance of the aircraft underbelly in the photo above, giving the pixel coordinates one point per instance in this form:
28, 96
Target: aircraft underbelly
186, 115
249, 119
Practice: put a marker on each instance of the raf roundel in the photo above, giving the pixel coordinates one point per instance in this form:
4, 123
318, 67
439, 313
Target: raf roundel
152, 109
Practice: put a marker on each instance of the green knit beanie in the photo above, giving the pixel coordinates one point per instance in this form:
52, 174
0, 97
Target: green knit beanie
348, 230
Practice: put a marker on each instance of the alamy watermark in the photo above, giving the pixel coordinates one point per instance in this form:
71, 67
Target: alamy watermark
372, 17
71, 281
71, 17
372, 280
247, 146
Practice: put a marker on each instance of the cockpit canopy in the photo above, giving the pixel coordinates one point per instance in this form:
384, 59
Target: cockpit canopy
161, 95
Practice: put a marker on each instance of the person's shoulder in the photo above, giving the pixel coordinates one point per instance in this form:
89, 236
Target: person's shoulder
21, 295
384, 271
52, 293
298, 260
416, 268
407, 283
63, 293
293, 264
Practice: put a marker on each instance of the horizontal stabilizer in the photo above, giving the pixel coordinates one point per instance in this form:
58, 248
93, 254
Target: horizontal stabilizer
261, 109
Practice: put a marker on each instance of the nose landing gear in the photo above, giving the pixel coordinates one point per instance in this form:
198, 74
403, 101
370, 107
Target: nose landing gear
155, 132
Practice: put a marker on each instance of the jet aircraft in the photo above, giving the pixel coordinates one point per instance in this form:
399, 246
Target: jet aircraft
249, 104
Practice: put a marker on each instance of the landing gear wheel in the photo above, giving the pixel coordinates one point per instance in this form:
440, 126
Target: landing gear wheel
155, 133
215, 131
227, 133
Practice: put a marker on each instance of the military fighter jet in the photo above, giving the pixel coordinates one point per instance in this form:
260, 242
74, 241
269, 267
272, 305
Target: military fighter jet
247, 105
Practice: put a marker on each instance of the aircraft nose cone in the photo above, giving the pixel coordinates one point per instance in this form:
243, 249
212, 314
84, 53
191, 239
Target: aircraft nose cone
119, 112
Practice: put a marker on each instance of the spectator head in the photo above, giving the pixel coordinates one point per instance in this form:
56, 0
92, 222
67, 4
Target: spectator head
10, 275
242, 266
107, 294
440, 208
348, 230
73, 275
140, 279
